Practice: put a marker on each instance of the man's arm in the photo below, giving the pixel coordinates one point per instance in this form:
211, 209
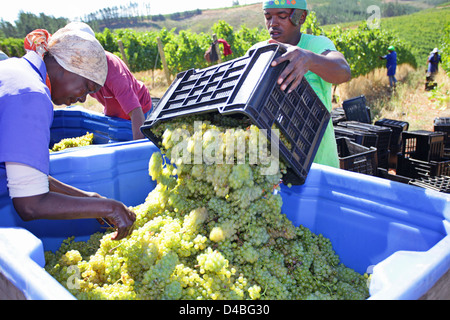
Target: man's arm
137, 120
331, 66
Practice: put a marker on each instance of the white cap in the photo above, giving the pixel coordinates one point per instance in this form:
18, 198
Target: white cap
435, 50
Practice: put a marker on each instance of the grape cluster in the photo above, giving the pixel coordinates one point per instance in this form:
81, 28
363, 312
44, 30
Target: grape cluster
81, 141
207, 231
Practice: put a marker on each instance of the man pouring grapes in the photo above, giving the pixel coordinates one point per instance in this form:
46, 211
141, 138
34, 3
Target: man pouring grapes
309, 56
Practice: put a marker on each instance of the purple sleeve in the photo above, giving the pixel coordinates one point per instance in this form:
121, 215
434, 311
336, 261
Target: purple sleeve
25, 121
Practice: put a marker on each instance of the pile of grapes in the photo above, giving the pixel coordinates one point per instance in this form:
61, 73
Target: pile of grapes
208, 230
81, 141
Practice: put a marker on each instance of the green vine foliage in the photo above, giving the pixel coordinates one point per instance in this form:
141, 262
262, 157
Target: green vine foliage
363, 46
185, 50
445, 48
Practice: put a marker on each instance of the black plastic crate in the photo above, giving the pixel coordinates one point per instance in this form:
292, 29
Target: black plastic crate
383, 140
385, 174
413, 168
423, 145
357, 158
247, 87
442, 124
357, 110
363, 138
338, 115
397, 128
396, 138
439, 183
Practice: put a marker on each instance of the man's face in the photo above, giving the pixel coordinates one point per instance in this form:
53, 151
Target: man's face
72, 88
280, 27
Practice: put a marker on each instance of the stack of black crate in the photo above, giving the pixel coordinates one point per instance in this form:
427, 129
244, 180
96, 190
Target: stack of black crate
422, 155
439, 177
396, 142
442, 124
356, 149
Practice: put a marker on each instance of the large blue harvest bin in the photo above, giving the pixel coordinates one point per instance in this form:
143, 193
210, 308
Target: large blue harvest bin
398, 232
76, 121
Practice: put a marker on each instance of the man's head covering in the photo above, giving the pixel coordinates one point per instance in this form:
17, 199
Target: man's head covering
391, 48
435, 50
75, 50
285, 4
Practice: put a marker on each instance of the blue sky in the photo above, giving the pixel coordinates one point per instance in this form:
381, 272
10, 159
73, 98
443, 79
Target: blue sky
75, 9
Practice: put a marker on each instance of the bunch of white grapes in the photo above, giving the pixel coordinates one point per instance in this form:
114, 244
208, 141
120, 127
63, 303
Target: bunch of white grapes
80, 141
207, 231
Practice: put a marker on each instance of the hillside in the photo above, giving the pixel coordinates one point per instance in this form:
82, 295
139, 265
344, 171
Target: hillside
249, 15
421, 39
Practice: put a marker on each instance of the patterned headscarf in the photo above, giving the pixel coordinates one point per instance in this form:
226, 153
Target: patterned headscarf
285, 4
76, 51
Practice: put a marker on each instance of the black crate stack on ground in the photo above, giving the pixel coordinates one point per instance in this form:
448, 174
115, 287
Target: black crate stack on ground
422, 155
383, 138
395, 146
364, 138
357, 158
246, 87
442, 124
423, 145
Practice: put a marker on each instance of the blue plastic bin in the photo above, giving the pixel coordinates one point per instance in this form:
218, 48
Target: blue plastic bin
76, 121
397, 231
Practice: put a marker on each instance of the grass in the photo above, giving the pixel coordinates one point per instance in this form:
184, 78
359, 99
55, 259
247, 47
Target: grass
410, 101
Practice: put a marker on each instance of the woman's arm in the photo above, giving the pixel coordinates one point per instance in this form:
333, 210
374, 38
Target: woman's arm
64, 202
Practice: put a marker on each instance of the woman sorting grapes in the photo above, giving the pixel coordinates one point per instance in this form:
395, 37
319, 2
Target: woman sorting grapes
63, 69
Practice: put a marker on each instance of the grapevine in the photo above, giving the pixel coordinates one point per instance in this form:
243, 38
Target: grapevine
207, 231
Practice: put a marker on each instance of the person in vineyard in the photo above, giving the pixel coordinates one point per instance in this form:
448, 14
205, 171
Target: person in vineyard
391, 65
122, 95
433, 67
61, 69
309, 56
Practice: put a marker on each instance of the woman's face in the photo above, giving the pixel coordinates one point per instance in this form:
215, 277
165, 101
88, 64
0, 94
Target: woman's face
71, 88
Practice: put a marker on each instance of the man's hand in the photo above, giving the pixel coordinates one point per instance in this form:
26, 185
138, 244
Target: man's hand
298, 65
330, 65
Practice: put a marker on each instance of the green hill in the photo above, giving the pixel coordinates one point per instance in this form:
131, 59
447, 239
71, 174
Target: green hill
249, 15
421, 30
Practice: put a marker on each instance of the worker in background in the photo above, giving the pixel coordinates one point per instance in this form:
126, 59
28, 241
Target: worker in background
61, 69
309, 56
122, 95
433, 67
391, 65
